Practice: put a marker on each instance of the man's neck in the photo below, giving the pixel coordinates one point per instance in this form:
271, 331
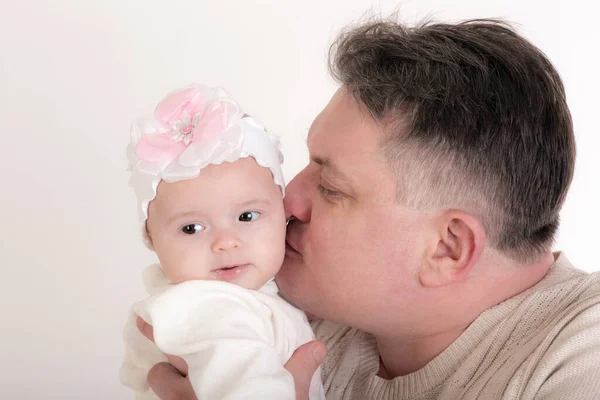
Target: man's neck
401, 356
412, 355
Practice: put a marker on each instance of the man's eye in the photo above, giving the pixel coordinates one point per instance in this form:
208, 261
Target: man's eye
192, 228
327, 192
249, 216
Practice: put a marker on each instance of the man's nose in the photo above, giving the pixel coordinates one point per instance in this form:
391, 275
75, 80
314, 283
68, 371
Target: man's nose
226, 240
297, 201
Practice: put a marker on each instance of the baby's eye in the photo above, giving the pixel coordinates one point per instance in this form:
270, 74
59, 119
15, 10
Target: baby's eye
249, 216
192, 228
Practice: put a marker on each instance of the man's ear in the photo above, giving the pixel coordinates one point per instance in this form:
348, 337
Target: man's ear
456, 243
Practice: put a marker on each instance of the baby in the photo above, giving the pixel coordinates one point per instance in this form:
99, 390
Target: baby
209, 185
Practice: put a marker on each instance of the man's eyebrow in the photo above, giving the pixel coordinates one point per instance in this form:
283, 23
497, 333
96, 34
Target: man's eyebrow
327, 163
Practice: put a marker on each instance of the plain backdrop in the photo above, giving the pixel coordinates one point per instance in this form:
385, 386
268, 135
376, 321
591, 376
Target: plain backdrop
73, 74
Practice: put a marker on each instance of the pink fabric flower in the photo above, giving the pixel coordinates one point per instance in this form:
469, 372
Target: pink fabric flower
189, 117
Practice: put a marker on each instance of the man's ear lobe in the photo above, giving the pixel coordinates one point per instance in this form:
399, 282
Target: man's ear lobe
456, 244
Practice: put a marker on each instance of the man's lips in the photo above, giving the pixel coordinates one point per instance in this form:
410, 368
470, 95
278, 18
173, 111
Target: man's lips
231, 271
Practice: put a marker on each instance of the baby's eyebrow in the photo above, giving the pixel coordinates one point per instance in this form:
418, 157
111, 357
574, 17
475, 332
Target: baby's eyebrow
257, 201
183, 215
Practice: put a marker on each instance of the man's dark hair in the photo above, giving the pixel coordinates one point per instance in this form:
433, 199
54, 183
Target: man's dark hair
477, 120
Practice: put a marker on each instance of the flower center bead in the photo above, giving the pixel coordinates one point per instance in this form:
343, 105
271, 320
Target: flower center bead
186, 130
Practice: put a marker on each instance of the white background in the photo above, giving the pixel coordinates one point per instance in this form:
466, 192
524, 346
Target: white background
73, 74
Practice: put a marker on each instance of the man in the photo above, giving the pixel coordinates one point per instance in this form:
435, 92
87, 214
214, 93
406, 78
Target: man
421, 230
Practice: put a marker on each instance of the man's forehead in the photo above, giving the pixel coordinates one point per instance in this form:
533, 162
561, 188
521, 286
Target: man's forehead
341, 133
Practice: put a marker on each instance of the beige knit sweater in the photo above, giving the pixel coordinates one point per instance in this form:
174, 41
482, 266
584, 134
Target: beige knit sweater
541, 344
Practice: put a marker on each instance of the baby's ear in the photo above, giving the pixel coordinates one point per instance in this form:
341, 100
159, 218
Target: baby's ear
147, 238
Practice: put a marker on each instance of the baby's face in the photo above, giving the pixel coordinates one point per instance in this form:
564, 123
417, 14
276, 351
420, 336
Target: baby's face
227, 224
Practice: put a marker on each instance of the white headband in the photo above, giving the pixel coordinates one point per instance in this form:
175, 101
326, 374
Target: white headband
190, 129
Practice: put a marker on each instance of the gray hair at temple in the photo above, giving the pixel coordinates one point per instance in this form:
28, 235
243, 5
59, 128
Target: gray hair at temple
475, 118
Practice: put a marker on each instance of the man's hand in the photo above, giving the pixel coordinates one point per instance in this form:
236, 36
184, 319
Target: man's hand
303, 364
170, 381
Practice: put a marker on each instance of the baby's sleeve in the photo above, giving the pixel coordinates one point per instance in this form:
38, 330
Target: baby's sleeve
226, 337
140, 356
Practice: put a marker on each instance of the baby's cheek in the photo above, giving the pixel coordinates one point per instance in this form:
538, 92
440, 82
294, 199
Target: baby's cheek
274, 251
174, 263
171, 271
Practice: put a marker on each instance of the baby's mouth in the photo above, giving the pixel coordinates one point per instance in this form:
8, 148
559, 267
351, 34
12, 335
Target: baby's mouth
231, 271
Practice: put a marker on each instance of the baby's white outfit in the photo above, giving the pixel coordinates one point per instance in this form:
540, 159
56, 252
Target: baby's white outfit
234, 340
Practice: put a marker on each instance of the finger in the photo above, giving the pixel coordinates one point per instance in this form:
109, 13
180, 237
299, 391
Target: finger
179, 364
145, 328
168, 383
303, 364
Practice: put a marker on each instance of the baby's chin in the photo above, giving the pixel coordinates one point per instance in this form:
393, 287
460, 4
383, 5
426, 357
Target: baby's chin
245, 275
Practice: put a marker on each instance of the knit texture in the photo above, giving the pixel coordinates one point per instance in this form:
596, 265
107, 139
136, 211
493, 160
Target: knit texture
541, 344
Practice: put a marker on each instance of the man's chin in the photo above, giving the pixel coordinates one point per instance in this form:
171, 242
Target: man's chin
312, 317
288, 283
288, 268
280, 280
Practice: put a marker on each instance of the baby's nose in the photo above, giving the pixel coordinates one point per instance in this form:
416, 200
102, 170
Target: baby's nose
226, 241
